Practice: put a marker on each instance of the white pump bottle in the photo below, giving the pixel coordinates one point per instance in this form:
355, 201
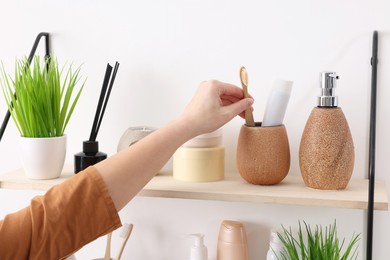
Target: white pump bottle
198, 249
275, 246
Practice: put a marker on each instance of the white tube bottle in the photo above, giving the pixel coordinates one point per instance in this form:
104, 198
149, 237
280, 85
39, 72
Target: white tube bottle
277, 103
198, 249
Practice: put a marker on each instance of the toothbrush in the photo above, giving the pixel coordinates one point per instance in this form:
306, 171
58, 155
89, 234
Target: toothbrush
249, 121
108, 247
125, 234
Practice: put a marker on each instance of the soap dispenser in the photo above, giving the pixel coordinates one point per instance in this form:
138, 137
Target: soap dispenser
198, 249
326, 152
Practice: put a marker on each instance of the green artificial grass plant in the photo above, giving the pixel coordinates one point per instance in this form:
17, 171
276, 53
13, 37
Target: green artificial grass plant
320, 244
39, 97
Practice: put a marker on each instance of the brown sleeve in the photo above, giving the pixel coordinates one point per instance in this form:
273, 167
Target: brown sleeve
60, 222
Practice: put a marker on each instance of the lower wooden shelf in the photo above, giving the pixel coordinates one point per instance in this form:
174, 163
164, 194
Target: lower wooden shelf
291, 190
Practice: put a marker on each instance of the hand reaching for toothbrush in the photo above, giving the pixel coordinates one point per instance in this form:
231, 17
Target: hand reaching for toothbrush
214, 104
108, 186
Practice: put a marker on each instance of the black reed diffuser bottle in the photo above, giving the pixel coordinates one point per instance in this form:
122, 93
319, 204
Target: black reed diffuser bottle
90, 154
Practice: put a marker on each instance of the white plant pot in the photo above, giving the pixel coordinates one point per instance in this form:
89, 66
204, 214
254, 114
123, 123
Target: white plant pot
43, 158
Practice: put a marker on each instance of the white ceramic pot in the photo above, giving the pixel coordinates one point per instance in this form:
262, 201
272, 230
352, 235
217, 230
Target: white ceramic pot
43, 158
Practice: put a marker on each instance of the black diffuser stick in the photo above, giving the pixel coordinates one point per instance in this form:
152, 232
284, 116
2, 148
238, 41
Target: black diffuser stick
371, 154
103, 100
106, 80
107, 96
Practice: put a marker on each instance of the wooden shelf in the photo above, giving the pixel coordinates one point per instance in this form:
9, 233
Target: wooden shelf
291, 190
18, 180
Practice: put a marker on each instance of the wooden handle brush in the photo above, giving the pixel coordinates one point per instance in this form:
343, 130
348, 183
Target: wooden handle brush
126, 232
249, 121
107, 256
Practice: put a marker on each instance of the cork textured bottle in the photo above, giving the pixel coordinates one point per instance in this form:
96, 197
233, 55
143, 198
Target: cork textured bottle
326, 153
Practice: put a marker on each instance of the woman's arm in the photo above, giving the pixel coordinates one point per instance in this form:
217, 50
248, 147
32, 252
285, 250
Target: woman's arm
126, 173
85, 206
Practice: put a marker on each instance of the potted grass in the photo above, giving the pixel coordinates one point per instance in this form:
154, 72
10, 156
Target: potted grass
320, 244
41, 98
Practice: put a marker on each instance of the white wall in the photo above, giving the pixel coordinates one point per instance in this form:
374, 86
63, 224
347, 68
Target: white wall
165, 49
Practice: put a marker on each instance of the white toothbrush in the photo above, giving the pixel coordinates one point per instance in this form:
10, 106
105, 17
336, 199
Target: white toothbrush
125, 234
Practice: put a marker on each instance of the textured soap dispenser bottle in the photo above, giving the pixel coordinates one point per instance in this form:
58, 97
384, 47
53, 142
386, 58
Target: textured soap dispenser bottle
326, 152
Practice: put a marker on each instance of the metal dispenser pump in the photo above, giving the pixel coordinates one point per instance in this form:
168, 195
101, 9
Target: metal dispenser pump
328, 97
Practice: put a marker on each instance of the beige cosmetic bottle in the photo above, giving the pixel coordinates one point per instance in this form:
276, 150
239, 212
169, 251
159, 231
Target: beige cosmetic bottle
232, 241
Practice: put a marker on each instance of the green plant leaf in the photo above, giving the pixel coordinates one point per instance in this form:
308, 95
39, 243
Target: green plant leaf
43, 102
320, 244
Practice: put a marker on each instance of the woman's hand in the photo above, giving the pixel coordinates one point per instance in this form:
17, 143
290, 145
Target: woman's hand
214, 104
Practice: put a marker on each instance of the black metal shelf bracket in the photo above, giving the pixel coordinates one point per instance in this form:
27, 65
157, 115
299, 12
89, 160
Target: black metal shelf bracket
371, 153
30, 57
